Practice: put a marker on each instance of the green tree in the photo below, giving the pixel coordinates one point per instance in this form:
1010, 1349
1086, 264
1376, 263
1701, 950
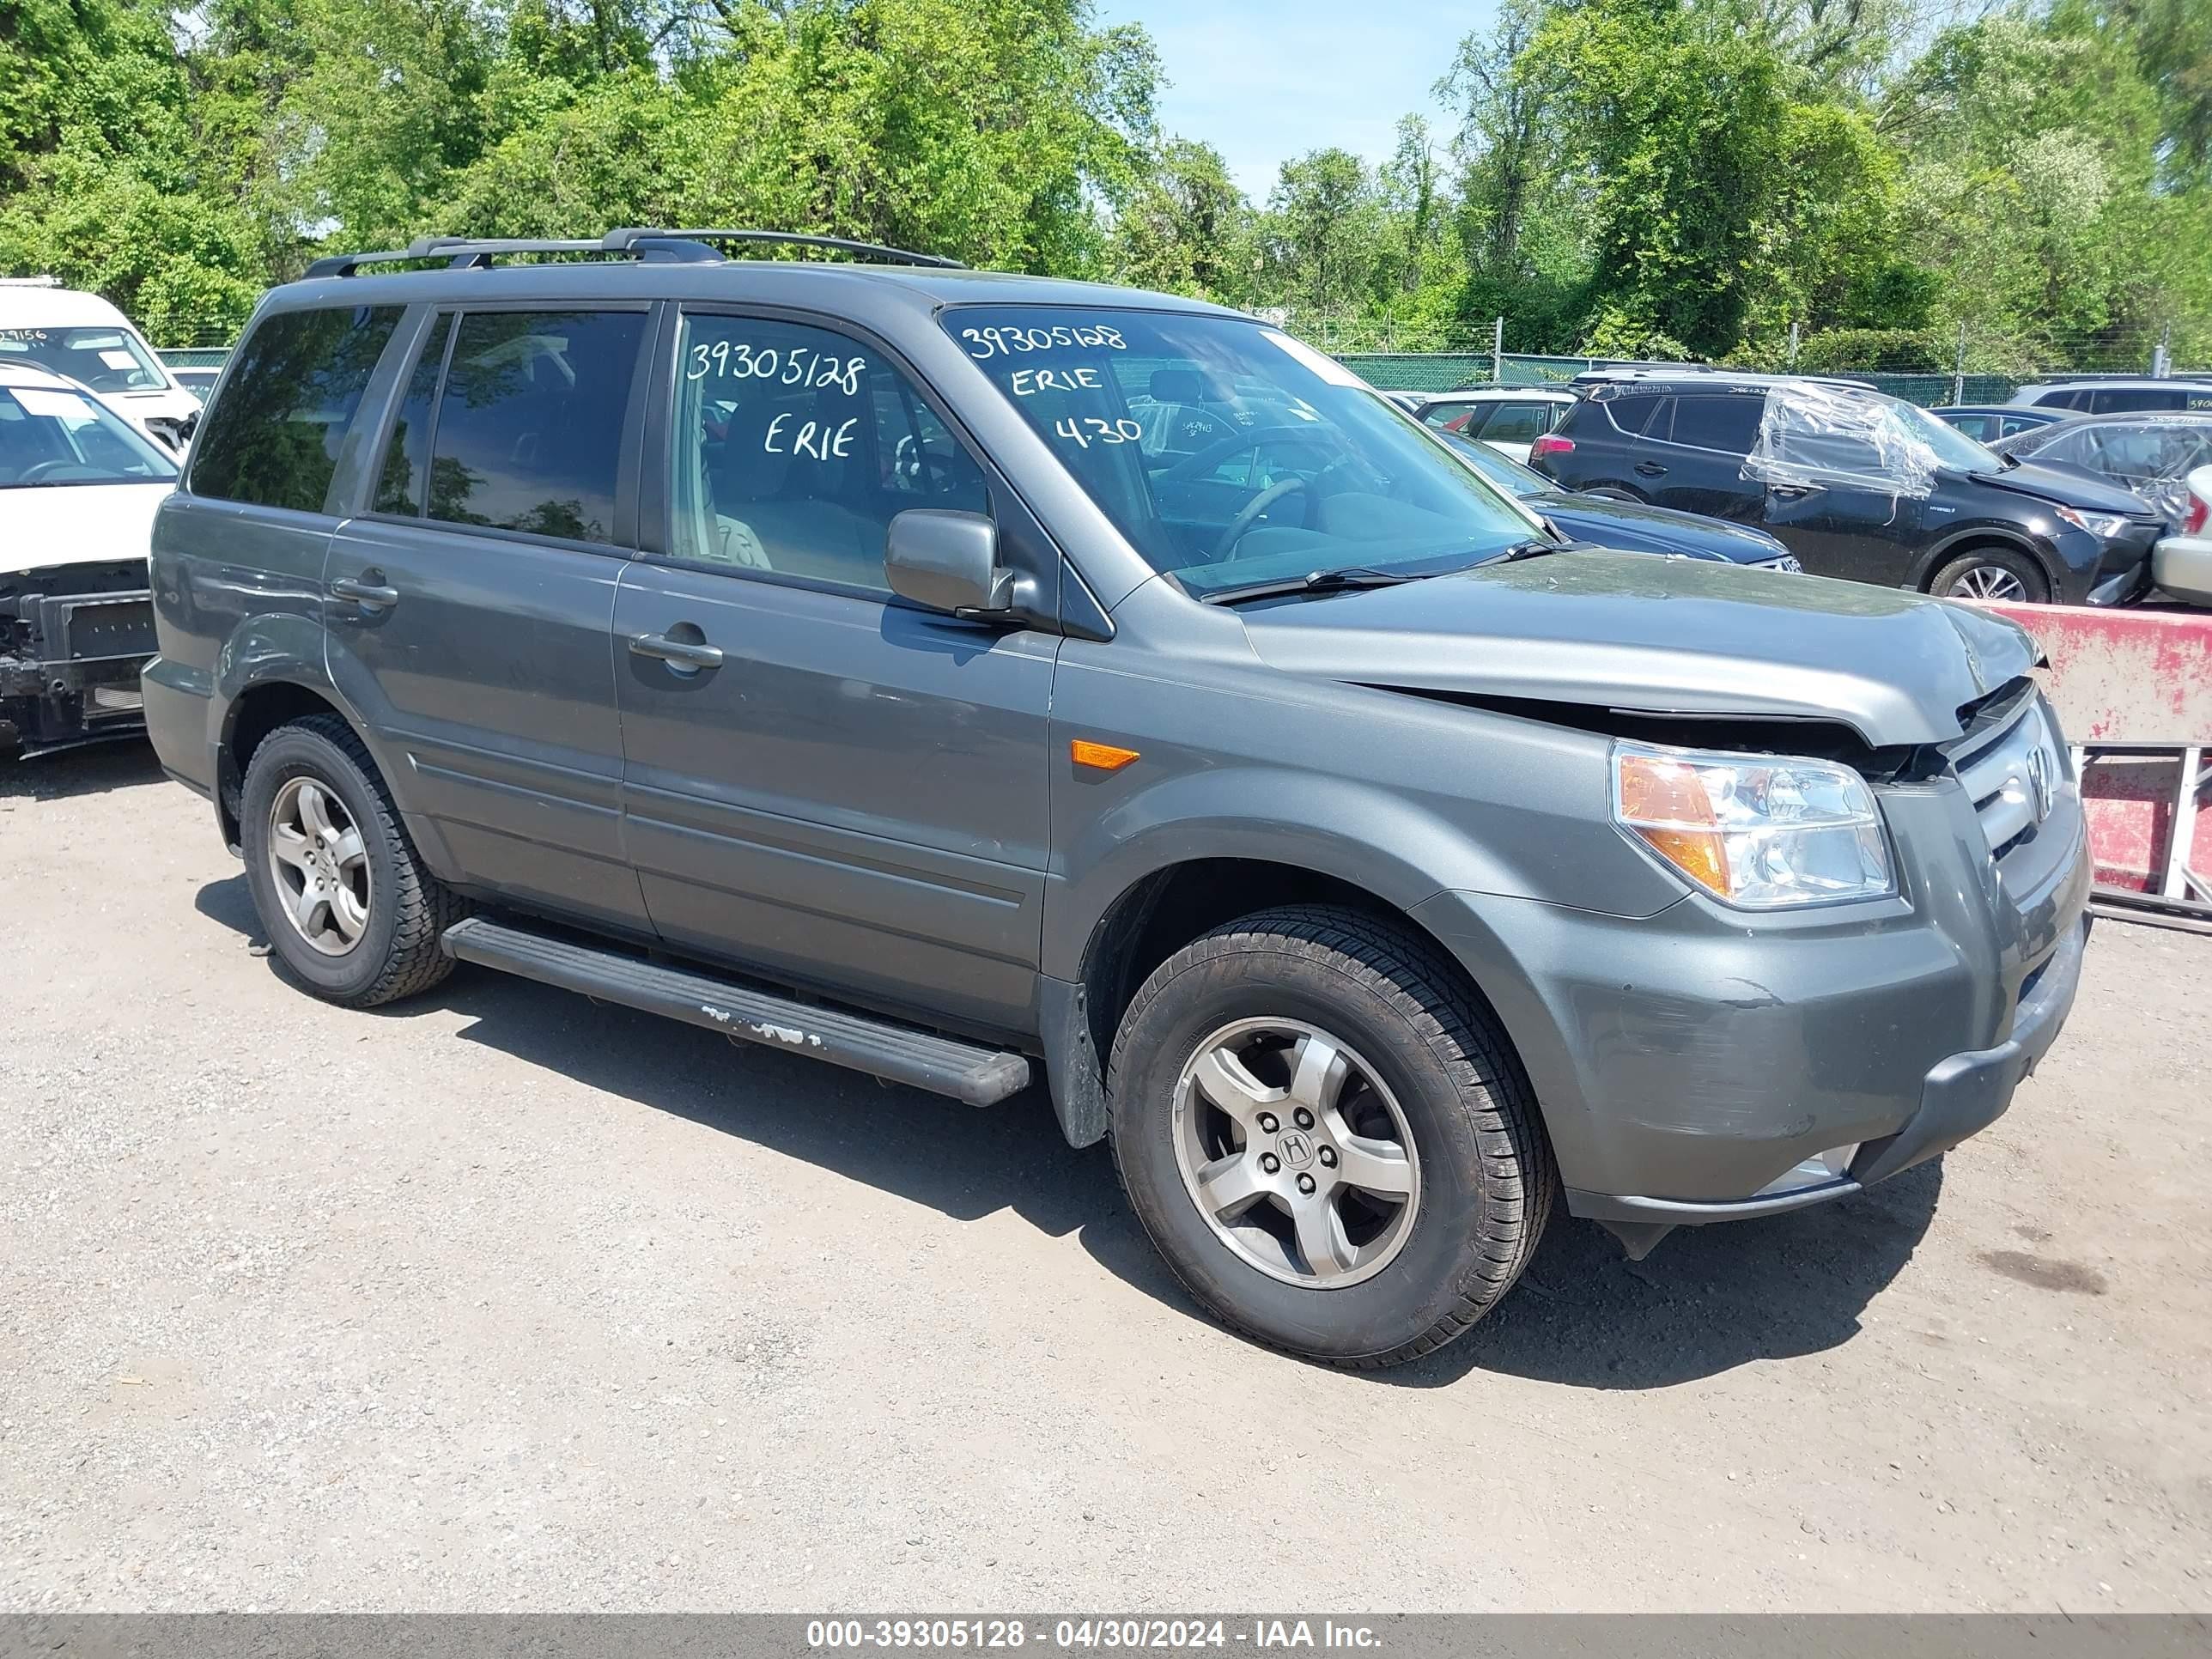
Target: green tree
1187, 228
1323, 232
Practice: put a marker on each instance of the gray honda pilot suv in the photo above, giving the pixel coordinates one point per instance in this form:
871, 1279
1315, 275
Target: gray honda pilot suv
975, 679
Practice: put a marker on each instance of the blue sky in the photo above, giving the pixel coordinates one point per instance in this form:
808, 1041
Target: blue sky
1263, 81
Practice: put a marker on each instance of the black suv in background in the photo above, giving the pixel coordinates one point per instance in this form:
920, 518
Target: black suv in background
1854, 484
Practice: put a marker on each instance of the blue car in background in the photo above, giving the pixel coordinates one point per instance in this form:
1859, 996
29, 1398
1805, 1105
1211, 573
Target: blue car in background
1987, 422
1630, 526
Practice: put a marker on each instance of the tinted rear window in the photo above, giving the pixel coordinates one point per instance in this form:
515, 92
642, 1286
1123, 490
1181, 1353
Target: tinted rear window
529, 431
1722, 423
1629, 414
272, 437
2129, 399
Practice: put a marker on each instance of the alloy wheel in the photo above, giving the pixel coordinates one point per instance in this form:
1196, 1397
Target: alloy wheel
1296, 1152
319, 865
1988, 581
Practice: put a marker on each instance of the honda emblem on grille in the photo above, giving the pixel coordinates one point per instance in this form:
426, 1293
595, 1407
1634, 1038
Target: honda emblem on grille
2038, 781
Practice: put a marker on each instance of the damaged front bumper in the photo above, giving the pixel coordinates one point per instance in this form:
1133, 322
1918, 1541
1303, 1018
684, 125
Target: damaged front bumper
1707, 1065
72, 639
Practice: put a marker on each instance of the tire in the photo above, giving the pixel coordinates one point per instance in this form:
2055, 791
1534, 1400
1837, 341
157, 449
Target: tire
1989, 573
1425, 1060
395, 951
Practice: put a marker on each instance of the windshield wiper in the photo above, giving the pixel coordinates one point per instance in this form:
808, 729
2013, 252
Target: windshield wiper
1535, 548
1318, 582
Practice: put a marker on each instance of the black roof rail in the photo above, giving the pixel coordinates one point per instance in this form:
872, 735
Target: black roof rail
633, 236
461, 252
636, 242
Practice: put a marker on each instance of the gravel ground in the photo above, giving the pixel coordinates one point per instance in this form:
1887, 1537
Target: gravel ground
498, 1300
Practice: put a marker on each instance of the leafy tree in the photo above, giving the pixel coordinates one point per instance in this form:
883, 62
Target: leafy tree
1187, 228
1323, 231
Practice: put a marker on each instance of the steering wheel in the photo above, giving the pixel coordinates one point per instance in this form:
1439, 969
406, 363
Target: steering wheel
1227, 547
1198, 464
32, 474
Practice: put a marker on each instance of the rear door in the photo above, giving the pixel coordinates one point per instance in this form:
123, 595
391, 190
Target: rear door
471, 610
823, 783
1691, 455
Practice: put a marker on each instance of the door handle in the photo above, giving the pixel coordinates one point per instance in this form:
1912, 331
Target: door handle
374, 595
1651, 468
1791, 492
690, 654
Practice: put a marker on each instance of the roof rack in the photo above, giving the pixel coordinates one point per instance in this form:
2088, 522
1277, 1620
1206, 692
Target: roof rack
634, 241
625, 239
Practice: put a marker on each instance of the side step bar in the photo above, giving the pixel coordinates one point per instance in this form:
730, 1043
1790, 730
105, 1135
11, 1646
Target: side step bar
944, 1065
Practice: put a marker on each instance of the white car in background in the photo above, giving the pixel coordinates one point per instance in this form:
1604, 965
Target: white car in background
1509, 418
79, 486
87, 340
2182, 563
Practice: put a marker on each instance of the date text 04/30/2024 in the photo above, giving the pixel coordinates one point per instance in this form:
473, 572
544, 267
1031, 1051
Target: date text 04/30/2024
1085, 1634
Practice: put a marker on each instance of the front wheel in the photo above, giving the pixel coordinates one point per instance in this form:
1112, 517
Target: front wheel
1992, 573
1327, 1136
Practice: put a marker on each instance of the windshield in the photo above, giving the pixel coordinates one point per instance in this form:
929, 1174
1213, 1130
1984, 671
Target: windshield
60, 437
1230, 455
108, 359
1503, 471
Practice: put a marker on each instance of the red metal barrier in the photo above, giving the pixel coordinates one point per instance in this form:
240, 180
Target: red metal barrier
2141, 681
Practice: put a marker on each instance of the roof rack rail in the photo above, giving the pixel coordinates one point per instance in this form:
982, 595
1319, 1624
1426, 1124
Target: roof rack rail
30, 282
633, 236
634, 241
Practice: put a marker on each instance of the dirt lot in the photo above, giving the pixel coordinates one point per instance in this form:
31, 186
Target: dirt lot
500, 1300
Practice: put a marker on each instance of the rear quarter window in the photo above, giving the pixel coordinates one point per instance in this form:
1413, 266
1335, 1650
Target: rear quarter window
272, 437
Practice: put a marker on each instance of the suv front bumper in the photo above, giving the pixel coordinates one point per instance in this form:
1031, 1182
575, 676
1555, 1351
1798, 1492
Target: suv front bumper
1689, 1065
70, 659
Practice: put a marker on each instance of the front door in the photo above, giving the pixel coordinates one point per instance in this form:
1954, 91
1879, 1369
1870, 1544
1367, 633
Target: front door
821, 783
471, 611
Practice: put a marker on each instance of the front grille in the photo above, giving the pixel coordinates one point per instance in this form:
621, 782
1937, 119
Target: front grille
2013, 770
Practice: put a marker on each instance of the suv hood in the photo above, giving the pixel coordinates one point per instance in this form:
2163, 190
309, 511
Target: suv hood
1638, 527
2066, 485
1661, 636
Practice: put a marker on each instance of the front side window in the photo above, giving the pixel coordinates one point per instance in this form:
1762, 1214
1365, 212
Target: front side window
272, 437
529, 428
51, 437
794, 447
111, 359
1313, 471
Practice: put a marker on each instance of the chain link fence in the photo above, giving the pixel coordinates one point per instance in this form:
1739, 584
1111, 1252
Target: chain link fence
1454, 371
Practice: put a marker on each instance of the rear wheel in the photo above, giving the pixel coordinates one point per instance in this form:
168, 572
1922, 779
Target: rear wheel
1992, 573
1326, 1136
346, 904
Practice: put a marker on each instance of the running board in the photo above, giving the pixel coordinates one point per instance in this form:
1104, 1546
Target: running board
897, 1054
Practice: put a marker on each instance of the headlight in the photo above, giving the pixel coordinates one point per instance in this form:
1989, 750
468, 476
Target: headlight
2103, 526
1760, 831
1779, 561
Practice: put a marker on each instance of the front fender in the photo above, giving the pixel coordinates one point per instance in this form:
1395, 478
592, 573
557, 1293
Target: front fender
1380, 840
1987, 534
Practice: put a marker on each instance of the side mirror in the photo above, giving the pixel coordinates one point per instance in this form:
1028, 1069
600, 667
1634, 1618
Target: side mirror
946, 561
